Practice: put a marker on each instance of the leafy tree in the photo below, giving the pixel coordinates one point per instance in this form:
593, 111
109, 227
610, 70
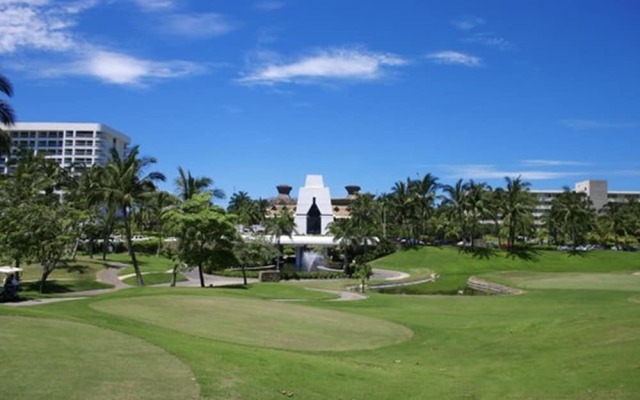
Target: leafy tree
7, 115
125, 185
252, 253
281, 224
363, 272
572, 216
189, 185
208, 232
249, 211
517, 208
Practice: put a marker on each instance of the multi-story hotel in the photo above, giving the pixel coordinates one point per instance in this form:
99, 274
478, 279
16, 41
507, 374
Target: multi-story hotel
70, 144
597, 191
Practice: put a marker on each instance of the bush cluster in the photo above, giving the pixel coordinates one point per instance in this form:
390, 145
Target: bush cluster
285, 275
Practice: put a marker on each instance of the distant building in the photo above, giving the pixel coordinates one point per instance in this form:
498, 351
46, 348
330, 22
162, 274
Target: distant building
69, 144
314, 209
597, 191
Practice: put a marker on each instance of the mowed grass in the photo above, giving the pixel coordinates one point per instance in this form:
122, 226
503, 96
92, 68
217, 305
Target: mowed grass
455, 267
260, 323
154, 278
53, 359
567, 280
545, 344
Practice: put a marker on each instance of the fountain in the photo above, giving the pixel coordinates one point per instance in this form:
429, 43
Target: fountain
311, 261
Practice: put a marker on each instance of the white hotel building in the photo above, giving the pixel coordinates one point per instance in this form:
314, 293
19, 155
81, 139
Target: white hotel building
597, 191
69, 144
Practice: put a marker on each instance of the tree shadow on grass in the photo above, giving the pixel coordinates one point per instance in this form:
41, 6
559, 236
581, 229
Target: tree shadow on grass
50, 287
71, 268
577, 253
524, 253
483, 253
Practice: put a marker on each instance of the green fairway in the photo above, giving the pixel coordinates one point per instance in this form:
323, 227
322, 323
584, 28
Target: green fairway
240, 343
260, 323
567, 280
455, 267
154, 278
52, 359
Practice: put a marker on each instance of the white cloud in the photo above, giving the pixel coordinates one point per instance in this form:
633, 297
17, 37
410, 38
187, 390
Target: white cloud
26, 25
467, 23
198, 25
490, 40
269, 5
451, 57
482, 171
595, 124
155, 5
331, 64
123, 69
50, 27
553, 163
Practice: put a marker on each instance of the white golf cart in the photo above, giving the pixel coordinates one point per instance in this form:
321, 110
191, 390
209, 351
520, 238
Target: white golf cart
9, 288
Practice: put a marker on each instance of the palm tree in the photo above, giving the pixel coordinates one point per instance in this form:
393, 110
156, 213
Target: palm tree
280, 225
247, 209
477, 203
573, 215
7, 115
188, 185
455, 201
424, 190
125, 186
516, 208
402, 205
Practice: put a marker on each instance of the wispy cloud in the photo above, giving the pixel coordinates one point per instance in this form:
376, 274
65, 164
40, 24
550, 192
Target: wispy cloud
554, 163
123, 69
483, 171
155, 5
450, 57
596, 124
198, 25
28, 25
490, 40
467, 22
324, 65
50, 27
269, 5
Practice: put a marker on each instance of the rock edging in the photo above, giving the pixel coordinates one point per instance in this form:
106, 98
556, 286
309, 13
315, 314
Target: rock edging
491, 287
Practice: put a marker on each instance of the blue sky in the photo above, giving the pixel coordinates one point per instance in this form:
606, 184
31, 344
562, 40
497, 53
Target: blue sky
258, 93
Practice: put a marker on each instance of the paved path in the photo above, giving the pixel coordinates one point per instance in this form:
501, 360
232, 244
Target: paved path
193, 279
110, 276
388, 275
344, 295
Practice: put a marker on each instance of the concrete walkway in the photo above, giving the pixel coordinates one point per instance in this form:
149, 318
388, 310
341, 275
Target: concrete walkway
109, 275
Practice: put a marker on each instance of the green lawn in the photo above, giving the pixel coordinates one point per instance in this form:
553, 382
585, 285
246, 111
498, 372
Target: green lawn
455, 267
154, 278
567, 280
238, 343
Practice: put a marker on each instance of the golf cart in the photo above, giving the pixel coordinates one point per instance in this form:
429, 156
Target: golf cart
10, 283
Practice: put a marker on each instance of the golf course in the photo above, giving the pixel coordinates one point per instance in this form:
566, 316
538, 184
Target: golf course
574, 333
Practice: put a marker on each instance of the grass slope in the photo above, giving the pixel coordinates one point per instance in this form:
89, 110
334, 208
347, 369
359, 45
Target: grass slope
52, 359
545, 344
273, 324
455, 267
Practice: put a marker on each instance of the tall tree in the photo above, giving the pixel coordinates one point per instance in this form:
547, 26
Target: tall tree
573, 216
208, 232
517, 209
455, 201
248, 210
7, 115
125, 184
281, 224
189, 185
